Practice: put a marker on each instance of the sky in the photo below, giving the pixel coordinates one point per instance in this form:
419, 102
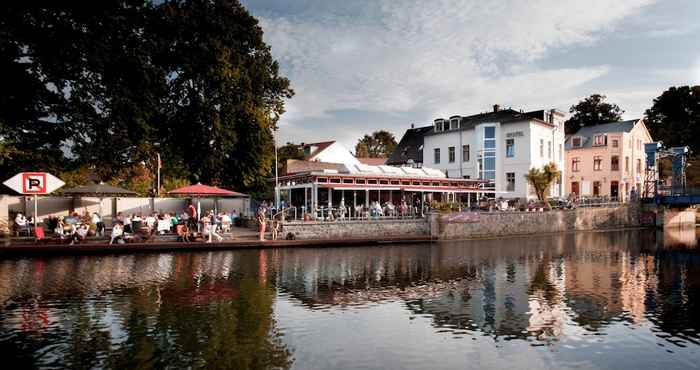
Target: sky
358, 66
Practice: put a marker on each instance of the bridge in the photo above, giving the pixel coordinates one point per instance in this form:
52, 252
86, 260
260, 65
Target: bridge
679, 198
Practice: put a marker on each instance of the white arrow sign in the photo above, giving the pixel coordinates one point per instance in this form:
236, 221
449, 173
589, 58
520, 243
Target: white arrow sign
34, 183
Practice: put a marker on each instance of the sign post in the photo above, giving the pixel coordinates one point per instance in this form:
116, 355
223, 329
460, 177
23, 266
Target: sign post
34, 183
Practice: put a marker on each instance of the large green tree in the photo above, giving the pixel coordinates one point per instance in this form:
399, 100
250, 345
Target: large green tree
674, 118
108, 85
591, 111
378, 145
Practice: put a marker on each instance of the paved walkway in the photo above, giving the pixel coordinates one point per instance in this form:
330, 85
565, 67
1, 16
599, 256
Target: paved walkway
19, 249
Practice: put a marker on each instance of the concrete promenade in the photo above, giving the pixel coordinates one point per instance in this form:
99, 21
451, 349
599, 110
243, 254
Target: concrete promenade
21, 249
450, 226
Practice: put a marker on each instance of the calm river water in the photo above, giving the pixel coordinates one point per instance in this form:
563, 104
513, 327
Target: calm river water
618, 300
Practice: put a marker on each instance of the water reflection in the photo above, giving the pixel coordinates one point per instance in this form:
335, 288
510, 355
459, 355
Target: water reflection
255, 309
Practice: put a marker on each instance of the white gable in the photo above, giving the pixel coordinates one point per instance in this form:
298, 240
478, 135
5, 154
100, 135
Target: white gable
336, 153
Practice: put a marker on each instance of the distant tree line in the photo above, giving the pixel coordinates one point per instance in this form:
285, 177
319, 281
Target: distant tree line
102, 87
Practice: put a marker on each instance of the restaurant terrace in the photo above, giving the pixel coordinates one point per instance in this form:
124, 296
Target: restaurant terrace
362, 185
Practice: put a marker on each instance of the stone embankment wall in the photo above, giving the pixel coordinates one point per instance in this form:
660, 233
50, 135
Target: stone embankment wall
471, 224
355, 229
496, 224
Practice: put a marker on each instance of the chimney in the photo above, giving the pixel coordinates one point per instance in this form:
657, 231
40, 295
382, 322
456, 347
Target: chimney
413, 126
496, 108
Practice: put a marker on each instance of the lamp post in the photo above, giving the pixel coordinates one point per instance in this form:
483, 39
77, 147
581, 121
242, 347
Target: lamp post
277, 181
158, 176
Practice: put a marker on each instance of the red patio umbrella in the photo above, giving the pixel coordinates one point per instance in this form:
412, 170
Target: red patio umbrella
204, 191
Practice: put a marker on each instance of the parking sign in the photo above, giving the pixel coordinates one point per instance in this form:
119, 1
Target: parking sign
34, 183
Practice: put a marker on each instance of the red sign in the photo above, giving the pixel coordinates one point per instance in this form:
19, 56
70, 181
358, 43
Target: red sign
34, 183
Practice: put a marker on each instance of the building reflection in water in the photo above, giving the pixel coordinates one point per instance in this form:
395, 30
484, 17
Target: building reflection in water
204, 309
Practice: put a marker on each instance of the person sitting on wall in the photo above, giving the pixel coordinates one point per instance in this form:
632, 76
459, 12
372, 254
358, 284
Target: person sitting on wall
183, 233
80, 234
20, 223
59, 229
274, 228
117, 234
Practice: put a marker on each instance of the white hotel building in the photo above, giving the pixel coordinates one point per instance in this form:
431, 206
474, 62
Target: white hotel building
501, 145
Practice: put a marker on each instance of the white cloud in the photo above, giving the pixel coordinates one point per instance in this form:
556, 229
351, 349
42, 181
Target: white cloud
437, 57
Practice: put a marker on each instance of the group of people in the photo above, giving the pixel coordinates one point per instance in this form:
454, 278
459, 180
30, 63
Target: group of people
374, 210
187, 225
77, 228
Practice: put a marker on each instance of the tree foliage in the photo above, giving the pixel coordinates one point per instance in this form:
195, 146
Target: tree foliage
542, 179
674, 118
108, 85
378, 145
591, 111
289, 151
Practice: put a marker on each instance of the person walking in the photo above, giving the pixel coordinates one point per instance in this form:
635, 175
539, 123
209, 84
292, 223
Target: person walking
212, 227
262, 222
99, 225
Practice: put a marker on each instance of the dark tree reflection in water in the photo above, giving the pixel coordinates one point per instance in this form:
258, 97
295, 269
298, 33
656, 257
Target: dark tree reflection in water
588, 300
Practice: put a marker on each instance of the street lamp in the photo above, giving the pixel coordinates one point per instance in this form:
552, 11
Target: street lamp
277, 181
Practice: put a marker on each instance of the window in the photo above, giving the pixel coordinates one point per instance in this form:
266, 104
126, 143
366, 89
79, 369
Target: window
465, 153
575, 163
549, 149
451, 154
489, 137
596, 188
597, 162
599, 140
510, 148
438, 125
561, 153
639, 166
542, 148
454, 123
436, 158
615, 143
576, 142
614, 163
627, 164
510, 181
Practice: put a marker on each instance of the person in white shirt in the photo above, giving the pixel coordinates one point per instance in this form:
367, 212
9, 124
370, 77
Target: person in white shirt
117, 234
99, 225
163, 225
225, 222
20, 220
150, 221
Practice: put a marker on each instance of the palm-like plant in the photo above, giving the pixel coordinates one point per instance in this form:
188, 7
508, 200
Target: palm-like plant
542, 179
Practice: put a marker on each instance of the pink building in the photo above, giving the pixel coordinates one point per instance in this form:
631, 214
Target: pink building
606, 159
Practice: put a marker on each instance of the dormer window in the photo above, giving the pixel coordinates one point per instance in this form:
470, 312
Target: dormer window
576, 142
439, 125
454, 123
600, 140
